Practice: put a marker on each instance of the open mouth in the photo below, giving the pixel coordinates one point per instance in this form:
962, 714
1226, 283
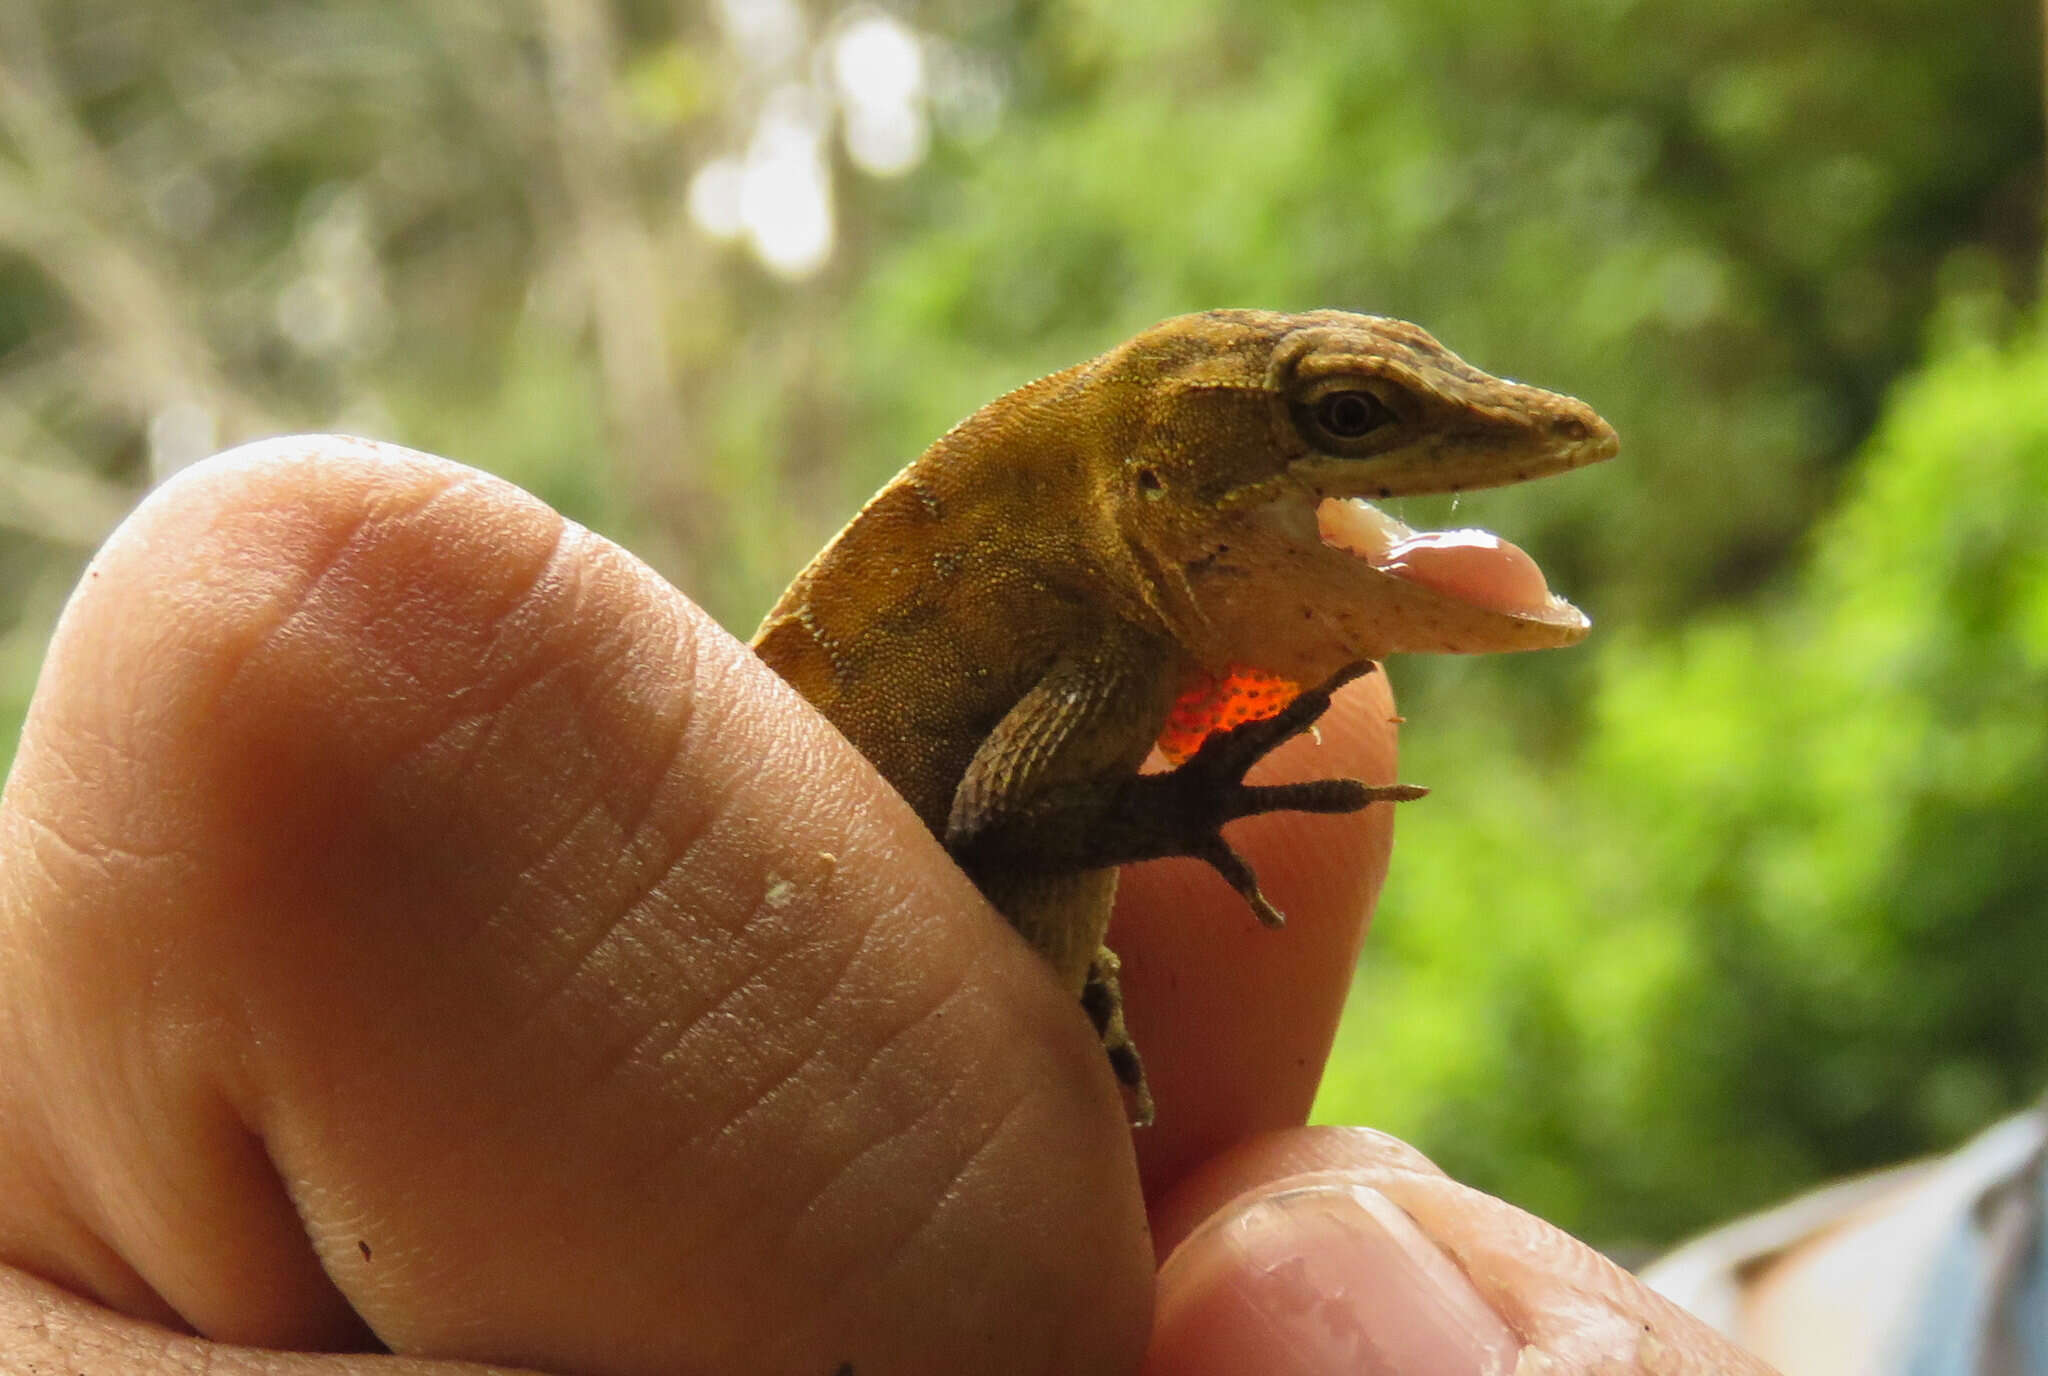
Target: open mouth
1474, 567
1383, 588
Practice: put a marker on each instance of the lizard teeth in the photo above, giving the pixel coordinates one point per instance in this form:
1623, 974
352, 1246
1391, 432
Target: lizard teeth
1473, 566
1356, 526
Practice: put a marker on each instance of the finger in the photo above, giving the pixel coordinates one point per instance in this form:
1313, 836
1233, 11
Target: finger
1349, 1252
1235, 1020
47, 1329
417, 915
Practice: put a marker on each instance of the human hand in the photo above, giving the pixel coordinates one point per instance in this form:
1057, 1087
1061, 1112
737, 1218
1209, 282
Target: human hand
419, 926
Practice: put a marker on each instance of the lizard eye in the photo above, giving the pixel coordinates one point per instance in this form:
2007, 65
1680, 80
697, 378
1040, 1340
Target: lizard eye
1348, 415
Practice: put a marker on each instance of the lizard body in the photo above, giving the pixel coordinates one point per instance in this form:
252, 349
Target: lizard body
1006, 627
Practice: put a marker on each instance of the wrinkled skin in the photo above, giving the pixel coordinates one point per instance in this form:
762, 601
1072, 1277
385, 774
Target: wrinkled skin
420, 926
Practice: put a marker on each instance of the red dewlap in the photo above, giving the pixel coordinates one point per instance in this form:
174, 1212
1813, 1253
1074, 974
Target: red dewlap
1213, 703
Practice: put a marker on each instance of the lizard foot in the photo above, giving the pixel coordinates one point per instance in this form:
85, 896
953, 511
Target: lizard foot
1179, 812
1185, 809
1103, 999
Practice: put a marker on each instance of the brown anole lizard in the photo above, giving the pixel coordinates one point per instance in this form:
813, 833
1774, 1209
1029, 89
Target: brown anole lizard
1164, 545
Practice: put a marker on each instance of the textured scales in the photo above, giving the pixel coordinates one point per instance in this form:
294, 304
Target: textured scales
1005, 629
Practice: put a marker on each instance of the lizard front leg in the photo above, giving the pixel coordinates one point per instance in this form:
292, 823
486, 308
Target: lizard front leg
1055, 761
1182, 811
1052, 802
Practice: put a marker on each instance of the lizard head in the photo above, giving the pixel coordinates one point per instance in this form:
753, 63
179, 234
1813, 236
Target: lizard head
1250, 442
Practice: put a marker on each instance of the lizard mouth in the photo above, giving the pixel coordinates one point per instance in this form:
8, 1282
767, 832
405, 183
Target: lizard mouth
1365, 587
1474, 567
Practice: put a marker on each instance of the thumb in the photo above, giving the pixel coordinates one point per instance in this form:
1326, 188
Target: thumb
1340, 1251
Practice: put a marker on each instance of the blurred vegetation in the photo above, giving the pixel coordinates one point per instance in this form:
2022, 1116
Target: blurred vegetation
1743, 894
1782, 916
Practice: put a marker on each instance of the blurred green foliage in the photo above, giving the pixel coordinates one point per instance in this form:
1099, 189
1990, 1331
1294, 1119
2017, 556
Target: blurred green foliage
1740, 895
1782, 916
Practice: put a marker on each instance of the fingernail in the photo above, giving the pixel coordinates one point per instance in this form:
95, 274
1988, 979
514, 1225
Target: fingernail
1329, 1280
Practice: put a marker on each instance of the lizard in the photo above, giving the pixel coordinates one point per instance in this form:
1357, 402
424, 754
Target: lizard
1167, 545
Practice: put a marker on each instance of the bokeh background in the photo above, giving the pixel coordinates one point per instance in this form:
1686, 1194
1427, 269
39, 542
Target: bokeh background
1749, 891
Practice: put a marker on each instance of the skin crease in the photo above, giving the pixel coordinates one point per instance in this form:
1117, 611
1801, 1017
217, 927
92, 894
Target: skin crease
419, 924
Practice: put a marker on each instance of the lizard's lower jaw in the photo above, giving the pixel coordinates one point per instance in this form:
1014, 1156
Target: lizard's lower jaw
1303, 584
1473, 567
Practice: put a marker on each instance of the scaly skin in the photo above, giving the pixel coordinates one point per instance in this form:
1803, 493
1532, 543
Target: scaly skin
1003, 629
